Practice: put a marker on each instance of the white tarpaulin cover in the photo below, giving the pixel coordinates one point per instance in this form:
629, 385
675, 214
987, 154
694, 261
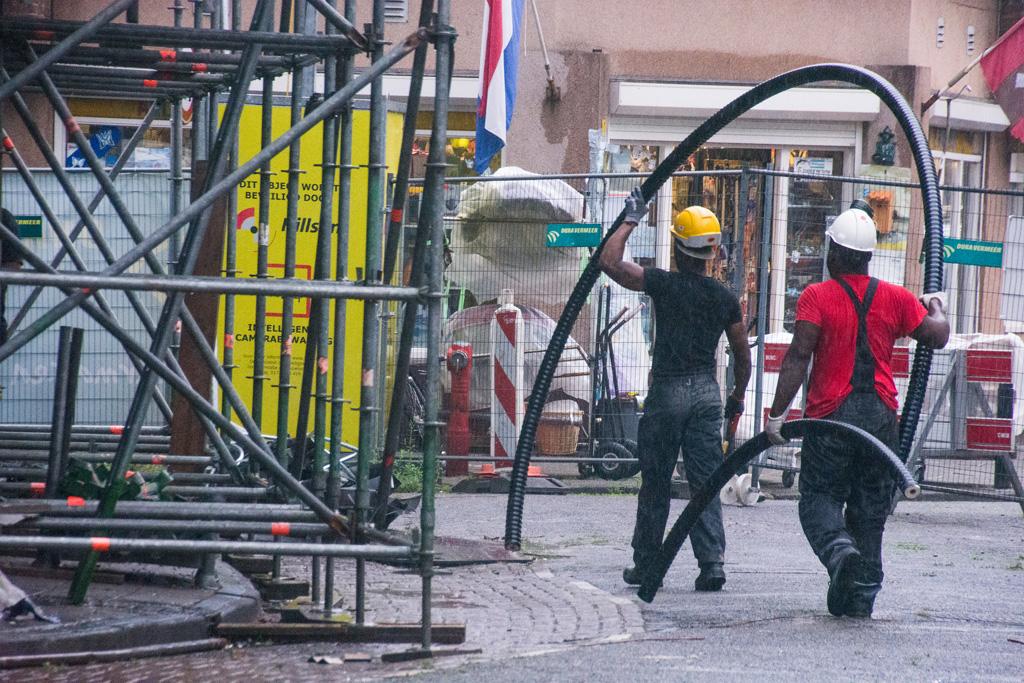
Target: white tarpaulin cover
498, 241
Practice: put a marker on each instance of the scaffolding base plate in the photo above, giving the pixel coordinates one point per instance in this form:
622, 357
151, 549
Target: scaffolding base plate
251, 564
284, 588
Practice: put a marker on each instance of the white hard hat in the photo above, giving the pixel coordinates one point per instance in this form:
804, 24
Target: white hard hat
853, 229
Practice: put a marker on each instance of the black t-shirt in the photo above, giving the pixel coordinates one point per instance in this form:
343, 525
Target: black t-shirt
691, 313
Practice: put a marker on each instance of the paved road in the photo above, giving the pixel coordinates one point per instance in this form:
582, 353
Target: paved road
952, 606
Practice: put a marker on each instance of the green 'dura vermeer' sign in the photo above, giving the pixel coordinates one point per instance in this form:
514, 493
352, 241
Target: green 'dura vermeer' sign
573, 235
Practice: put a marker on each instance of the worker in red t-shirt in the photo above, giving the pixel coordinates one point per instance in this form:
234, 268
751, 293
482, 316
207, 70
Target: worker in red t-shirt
848, 325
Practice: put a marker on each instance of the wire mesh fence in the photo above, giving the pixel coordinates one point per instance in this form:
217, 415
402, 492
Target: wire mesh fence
525, 239
108, 379
528, 238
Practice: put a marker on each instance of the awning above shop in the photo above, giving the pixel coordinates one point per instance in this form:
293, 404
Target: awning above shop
463, 91
700, 100
740, 133
967, 114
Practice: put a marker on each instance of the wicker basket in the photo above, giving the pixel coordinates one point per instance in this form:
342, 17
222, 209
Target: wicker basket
558, 432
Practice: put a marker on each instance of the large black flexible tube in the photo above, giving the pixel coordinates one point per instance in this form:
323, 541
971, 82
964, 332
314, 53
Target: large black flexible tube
932, 254
738, 460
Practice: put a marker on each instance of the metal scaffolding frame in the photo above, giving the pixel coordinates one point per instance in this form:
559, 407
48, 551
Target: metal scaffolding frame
214, 61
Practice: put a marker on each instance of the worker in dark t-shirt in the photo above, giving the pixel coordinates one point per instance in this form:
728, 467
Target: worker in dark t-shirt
683, 409
10, 259
848, 325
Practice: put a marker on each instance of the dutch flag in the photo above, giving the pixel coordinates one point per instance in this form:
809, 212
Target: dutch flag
499, 58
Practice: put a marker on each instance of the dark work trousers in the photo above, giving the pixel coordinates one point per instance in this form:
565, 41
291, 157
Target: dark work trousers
680, 413
834, 473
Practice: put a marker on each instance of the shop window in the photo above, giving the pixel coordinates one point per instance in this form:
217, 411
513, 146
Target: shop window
108, 140
109, 125
632, 158
460, 154
954, 141
813, 203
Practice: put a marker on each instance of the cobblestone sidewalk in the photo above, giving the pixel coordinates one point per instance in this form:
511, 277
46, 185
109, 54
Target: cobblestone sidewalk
508, 609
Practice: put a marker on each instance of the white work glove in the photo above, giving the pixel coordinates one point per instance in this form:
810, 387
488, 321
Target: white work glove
941, 296
773, 428
636, 207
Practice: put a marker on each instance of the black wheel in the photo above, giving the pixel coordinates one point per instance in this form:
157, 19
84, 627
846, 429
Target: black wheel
585, 469
634, 450
411, 435
788, 479
613, 456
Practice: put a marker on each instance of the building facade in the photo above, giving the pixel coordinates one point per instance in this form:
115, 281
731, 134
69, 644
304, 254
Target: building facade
630, 80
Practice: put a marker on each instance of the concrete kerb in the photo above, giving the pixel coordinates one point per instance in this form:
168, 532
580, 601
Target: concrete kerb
128, 615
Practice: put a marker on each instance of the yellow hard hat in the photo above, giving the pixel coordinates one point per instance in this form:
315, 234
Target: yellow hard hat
697, 228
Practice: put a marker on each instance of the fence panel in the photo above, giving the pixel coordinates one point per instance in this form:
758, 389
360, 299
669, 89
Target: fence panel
108, 379
509, 233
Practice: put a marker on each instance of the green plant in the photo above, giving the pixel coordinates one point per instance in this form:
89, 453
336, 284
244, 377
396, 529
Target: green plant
409, 473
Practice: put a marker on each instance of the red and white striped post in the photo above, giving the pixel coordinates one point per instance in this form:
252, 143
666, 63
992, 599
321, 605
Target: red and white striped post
507, 383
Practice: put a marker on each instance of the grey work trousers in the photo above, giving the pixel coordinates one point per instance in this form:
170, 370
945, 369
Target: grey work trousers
680, 413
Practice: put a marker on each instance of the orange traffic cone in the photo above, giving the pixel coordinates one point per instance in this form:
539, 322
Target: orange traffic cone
487, 469
534, 471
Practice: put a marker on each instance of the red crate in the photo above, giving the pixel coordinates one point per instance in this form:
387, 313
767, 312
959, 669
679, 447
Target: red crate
773, 355
989, 366
900, 361
989, 434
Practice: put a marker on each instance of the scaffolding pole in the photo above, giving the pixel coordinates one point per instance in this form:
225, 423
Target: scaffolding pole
234, 57
338, 400
434, 187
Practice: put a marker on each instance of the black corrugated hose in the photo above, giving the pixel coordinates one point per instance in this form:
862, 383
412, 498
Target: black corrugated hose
738, 460
932, 255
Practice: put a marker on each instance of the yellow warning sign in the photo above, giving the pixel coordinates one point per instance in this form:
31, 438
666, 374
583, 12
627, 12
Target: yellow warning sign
250, 229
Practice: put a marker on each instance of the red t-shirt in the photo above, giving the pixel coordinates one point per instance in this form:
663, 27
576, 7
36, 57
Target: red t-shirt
895, 312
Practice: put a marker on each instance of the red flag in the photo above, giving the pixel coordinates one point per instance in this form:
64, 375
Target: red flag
1005, 57
1003, 67
1010, 97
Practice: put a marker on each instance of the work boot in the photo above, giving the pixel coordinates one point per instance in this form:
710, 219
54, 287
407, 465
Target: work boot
845, 571
859, 606
861, 600
633, 576
711, 577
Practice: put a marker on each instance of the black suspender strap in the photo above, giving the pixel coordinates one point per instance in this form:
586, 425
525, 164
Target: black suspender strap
863, 378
